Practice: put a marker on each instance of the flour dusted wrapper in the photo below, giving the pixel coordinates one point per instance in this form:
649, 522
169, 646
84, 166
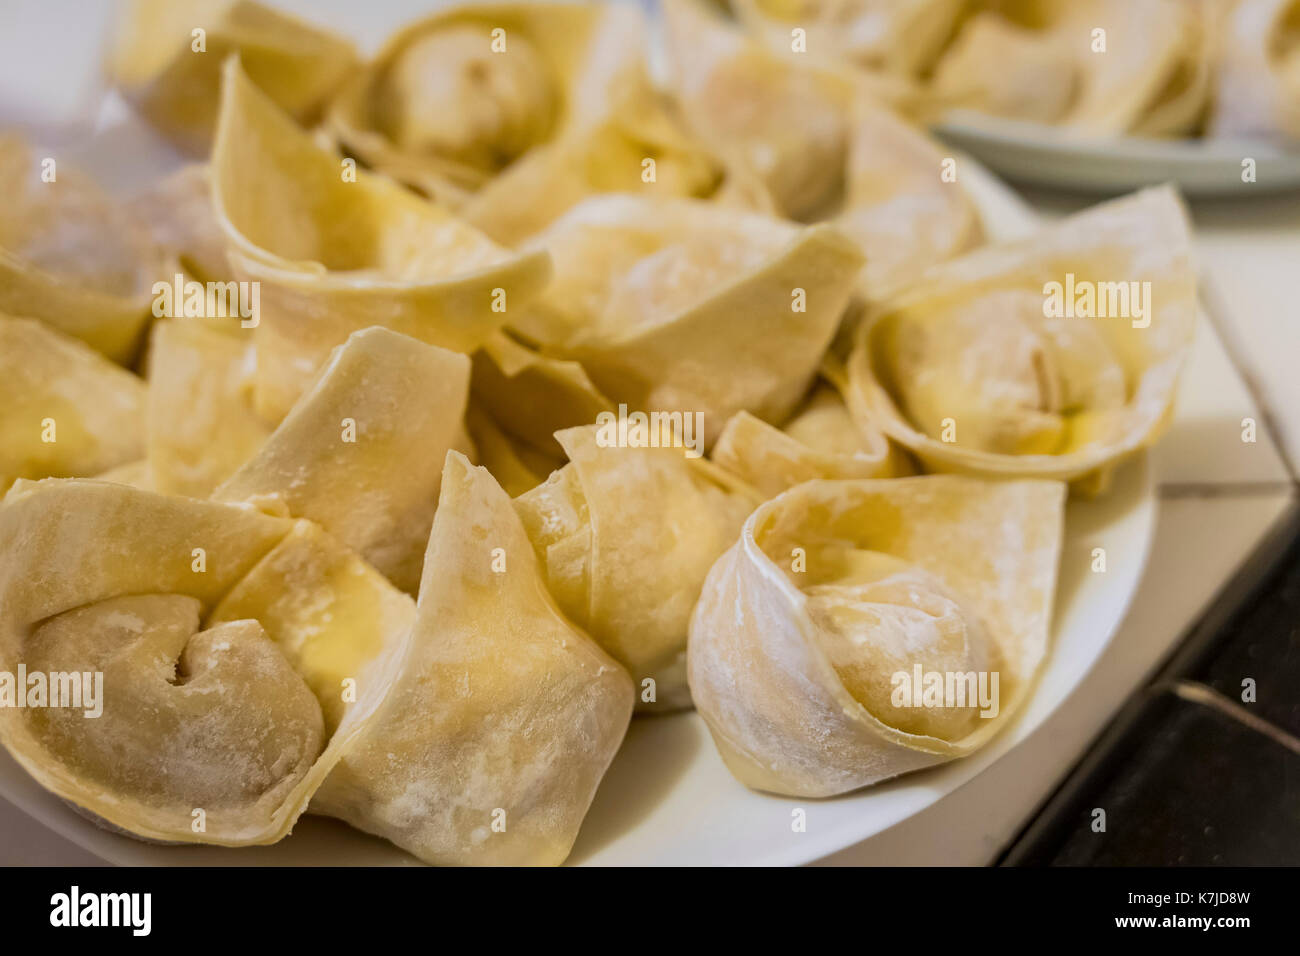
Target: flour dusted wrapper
202, 424
207, 734
361, 453
821, 441
337, 621
1000, 68
337, 250
625, 536
836, 588
532, 395
894, 37
455, 98
69, 256
784, 121
1257, 72
506, 715
678, 305
178, 216
176, 87
897, 205
1153, 78
68, 411
641, 146
968, 371
824, 146
1096, 67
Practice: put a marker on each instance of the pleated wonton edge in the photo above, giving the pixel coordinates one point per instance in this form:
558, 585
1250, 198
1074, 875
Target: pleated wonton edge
385, 257
779, 714
49, 570
1145, 236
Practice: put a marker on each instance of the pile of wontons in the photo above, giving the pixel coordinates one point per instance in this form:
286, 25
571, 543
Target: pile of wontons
1167, 68
374, 548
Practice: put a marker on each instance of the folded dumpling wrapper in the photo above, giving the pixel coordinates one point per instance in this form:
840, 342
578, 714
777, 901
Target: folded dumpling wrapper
901, 37
136, 474
361, 453
531, 395
455, 98
625, 536
178, 216
68, 411
1153, 77
784, 119
969, 371
1257, 71
642, 146
207, 734
822, 440
516, 466
69, 256
157, 63
1046, 64
836, 588
822, 144
337, 250
331, 614
679, 305
202, 426
1001, 68
506, 715
897, 205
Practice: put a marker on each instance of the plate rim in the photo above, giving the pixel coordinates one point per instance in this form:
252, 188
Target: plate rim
1039, 154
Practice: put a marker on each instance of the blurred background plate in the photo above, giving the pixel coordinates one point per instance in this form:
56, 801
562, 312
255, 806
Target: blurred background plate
1048, 156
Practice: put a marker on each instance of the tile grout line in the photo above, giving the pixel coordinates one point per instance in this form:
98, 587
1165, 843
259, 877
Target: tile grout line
1198, 693
1177, 490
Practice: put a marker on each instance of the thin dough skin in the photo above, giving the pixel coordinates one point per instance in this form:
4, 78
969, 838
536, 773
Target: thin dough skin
178, 217
198, 715
643, 146
532, 396
506, 715
795, 706
335, 256
69, 256
177, 89
361, 452
895, 37
557, 397
678, 305
630, 579
822, 440
226, 625
52, 385
966, 370
202, 426
455, 98
1257, 83
823, 144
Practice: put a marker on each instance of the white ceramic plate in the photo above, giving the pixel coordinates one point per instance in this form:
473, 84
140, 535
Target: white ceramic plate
668, 799
1046, 156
